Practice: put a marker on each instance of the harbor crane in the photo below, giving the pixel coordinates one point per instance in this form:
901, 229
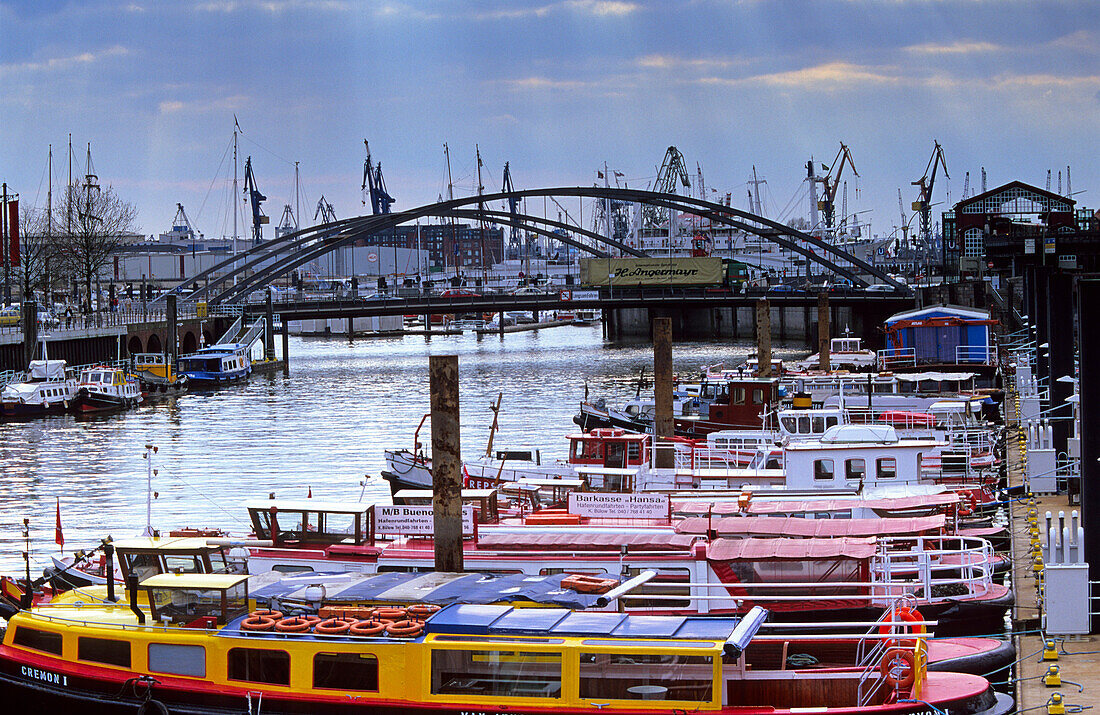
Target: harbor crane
673, 173
827, 204
904, 221
923, 205
374, 186
324, 211
514, 242
255, 199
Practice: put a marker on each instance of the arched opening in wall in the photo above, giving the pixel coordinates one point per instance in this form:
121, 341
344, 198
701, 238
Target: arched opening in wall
133, 346
189, 343
208, 337
154, 345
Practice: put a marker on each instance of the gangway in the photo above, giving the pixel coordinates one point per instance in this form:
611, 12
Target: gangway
241, 335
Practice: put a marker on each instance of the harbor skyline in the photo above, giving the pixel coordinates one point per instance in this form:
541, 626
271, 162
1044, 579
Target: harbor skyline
554, 88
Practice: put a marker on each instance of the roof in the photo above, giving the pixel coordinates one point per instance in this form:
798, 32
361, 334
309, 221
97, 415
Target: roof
194, 580
583, 541
429, 494
790, 506
505, 620
860, 434
340, 507
798, 526
148, 543
977, 198
939, 311
847, 547
434, 587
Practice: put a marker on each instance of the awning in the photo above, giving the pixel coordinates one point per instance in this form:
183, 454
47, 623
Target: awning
932, 375
583, 541
793, 526
798, 506
844, 547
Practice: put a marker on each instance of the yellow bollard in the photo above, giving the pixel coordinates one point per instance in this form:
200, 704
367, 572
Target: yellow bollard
1050, 649
1051, 678
1056, 706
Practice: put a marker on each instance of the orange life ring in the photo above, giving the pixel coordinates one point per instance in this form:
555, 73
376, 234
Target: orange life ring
294, 624
266, 613
313, 619
423, 610
257, 623
899, 668
367, 628
907, 616
405, 629
389, 613
334, 626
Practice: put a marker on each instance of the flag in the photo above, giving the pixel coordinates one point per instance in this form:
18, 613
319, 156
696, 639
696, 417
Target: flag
309, 495
238, 126
58, 536
13, 233
599, 174
619, 173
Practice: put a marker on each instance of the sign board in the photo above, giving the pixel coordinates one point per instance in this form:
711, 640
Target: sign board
1029, 246
372, 257
650, 271
568, 295
418, 520
619, 506
1048, 245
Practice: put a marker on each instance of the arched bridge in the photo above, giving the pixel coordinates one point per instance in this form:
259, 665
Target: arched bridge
231, 280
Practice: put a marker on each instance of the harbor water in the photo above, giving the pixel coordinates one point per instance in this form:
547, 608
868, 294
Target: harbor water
320, 429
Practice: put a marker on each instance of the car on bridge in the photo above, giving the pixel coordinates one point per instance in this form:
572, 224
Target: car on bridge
459, 293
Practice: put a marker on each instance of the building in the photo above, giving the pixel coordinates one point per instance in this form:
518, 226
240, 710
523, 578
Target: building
447, 245
1016, 225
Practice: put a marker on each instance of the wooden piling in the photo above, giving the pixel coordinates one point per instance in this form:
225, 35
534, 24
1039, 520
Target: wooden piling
663, 422
764, 337
823, 330
269, 328
171, 341
286, 346
30, 331
446, 462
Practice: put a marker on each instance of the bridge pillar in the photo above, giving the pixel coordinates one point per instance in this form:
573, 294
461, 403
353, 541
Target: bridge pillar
1088, 313
286, 346
823, 330
269, 328
663, 423
351, 329
764, 337
446, 462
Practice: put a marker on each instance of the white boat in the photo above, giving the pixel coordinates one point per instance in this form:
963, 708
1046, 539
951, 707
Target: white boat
106, 389
45, 390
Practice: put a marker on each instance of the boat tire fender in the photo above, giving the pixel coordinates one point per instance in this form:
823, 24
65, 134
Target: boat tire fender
898, 668
405, 629
153, 707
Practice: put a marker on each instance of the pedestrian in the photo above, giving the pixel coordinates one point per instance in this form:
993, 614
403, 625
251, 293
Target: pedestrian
68, 316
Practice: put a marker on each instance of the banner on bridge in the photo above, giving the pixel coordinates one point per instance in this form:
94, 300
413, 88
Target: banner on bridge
650, 271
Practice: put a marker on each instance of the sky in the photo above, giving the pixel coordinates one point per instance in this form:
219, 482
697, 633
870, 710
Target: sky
555, 87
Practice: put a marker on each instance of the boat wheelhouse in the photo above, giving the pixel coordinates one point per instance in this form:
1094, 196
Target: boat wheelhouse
202, 650
105, 389
156, 375
217, 364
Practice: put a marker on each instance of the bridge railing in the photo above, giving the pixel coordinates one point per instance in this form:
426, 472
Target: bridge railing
979, 354
121, 317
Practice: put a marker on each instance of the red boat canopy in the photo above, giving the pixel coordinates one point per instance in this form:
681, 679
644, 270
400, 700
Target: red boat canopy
795, 526
584, 541
925, 501
845, 547
900, 418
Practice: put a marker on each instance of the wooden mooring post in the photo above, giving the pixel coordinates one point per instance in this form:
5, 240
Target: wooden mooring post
764, 338
446, 462
663, 422
823, 330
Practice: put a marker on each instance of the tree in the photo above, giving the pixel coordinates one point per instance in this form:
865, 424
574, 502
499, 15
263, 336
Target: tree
93, 221
37, 251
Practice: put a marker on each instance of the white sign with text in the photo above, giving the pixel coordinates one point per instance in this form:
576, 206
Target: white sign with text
619, 506
418, 520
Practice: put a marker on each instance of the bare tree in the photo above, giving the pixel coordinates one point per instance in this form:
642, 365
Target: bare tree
37, 249
95, 221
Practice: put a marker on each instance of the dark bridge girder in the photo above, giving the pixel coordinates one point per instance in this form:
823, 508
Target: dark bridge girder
334, 235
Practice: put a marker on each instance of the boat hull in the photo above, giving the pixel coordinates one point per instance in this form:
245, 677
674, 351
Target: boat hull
23, 410
88, 402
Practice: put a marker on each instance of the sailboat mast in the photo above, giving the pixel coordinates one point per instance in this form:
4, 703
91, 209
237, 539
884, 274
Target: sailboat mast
297, 195
450, 197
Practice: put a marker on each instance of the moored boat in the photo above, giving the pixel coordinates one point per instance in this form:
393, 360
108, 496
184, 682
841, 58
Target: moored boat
45, 391
105, 389
156, 375
217, 365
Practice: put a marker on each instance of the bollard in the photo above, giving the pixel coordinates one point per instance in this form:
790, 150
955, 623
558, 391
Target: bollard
446, 462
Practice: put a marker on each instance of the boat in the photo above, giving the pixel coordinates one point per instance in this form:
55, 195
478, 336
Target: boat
105, 389
845, 353
195, 643
217, 364
156, 375
46, 390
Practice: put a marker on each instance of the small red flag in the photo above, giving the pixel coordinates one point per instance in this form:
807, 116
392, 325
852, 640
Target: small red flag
310, 495
58, 536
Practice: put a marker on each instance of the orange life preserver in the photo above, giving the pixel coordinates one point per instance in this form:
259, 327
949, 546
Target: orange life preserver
908, 616
898, 668
334, 626
389, 613
423, 610
582, 583
367, 628
294, 624
257, 623
405, 629
313, 620
266, 613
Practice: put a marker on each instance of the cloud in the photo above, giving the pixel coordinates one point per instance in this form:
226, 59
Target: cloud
961, 47
670, 62
55, 64
232, 103
272, 7
831, 75
597, 8
603, 8
170, 106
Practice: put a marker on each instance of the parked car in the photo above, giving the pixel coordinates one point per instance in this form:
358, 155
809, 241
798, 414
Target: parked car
9, 315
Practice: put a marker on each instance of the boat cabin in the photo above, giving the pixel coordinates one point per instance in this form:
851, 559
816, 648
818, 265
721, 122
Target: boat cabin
855, 457
196, 600
309, 522
152, 365
736, 403
486, 502
146, 557
102, 376
217, 362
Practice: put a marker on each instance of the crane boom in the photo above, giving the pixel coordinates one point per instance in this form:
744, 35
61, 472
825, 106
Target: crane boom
255, 199
827, 204
923, 205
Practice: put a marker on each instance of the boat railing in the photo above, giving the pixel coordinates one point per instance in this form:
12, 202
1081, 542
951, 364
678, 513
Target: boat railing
7, 377
941, 567
892, 358
871, 650
976, 354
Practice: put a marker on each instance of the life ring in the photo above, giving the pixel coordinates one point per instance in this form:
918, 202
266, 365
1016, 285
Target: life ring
266, 613
294, 624
423, 610
257, 623
368, 628
405, 629
313, 619
389, 614
907, 616
898, 668
334, 626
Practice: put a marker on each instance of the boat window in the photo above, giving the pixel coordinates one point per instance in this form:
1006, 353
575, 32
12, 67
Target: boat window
142, 565
855, 469
183, 564
920, 462
804, 424
831, 422
177, 659
887, 468
633, 450
259, 665
789, 424
45, 641
345, 671
104, 650
498, 673
336, 524
738, 396
660, 585
291, 568
646, 676
818, 425
823, 469
758, 396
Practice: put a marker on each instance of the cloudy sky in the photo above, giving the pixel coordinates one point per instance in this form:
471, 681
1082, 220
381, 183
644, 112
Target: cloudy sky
556, 87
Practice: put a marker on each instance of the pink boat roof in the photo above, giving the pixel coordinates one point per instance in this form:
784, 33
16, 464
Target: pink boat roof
582, 540
813, 528
846, 547
805, 505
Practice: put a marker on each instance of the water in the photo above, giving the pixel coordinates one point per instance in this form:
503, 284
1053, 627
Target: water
322, 428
